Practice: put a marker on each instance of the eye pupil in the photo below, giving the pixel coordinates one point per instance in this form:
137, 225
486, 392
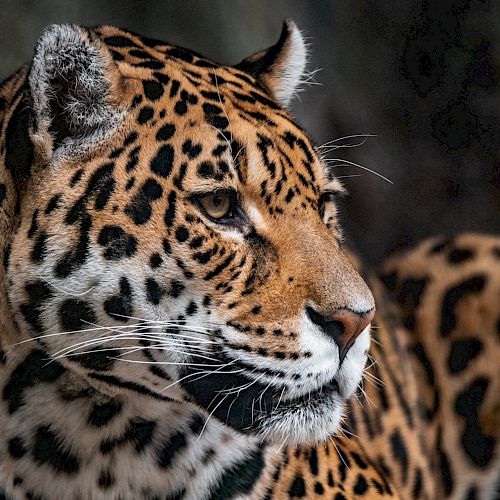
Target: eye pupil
217, 206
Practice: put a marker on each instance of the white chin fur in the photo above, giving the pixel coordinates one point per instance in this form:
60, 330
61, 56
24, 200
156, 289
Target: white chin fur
316, 421
305, 423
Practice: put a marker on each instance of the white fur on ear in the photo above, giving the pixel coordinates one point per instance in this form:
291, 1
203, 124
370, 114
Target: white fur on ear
280, 68
289, 74
70, 83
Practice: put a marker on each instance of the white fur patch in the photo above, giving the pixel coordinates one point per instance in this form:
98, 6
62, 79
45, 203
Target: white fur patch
291, 70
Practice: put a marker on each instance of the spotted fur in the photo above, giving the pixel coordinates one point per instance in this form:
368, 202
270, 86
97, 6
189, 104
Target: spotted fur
150, 351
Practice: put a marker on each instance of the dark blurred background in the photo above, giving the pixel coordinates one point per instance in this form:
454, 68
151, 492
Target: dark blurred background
421, 75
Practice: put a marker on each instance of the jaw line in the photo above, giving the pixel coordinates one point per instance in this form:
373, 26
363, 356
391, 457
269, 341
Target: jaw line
309, 422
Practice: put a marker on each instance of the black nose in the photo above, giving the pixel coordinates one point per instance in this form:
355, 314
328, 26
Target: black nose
343, 325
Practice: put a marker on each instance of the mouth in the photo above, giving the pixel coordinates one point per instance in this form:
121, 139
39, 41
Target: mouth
252, 407
317, 395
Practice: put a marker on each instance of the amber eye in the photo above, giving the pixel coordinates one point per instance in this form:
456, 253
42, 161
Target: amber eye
217, 205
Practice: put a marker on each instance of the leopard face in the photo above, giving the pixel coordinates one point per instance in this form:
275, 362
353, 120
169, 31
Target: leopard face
178, 233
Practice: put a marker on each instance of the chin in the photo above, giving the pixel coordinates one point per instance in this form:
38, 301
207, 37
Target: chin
254, 408
314, 419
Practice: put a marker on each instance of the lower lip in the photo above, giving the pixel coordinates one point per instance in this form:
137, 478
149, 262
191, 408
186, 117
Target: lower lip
324, 390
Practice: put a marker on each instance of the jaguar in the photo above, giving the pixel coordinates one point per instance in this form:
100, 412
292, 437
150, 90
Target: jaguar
179, 318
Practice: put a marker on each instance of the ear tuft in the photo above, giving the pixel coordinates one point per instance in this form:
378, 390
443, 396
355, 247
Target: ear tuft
281, 67
70, 83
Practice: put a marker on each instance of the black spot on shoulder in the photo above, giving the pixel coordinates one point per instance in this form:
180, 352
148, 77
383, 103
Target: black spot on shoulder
478, 446
441, 245
76, 314
462, 352
118, 243
444, 465
49, 449
389, 280
460, 255
410, 296
400, 453
451, 298
361, 485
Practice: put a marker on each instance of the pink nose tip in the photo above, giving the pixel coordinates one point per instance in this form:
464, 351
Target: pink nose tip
344, 326
351, 324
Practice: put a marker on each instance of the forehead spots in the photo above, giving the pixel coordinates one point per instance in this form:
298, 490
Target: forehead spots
140, 209
133, 159
145, 114
131, 138
187, 99
120, 41
174, 88
190, 149
214, 116
165, 132
161, 77
206, 170
153, 90
170, 212
163, 162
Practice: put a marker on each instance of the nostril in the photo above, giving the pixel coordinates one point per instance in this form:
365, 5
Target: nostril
343, 325
339, 326
332, 327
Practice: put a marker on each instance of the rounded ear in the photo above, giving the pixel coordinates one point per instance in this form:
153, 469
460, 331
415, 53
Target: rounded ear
71, 84
280, 68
